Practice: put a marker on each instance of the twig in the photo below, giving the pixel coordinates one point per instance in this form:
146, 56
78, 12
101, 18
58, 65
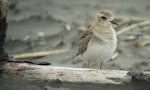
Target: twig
39, 54
131, 37
132, 19
146, 28
134, 33
142, 44
139, 43
30, 62
115, 55
133, 26
145, 42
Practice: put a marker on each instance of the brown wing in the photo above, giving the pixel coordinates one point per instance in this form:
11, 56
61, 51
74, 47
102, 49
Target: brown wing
84, 40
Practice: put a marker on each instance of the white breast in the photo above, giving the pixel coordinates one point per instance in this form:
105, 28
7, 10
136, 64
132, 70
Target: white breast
100, 52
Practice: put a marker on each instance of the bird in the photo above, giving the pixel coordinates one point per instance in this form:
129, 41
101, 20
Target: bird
99, 41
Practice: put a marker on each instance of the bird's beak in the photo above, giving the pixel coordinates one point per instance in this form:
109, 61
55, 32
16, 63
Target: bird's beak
113, 22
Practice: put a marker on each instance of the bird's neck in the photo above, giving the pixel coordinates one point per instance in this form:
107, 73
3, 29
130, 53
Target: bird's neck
98, 28
104, 33
103, 24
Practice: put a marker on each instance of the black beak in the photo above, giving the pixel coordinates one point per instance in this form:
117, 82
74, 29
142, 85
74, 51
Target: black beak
113, 22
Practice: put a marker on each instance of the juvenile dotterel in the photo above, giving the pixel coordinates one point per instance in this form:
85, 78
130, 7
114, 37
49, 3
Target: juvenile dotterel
99, 41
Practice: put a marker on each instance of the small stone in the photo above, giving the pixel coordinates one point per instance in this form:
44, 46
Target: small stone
41, 34
68, 27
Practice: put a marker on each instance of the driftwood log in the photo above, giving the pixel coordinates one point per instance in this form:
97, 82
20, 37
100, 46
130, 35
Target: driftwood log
65, 77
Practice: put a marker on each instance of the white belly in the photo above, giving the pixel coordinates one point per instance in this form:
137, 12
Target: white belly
99, 52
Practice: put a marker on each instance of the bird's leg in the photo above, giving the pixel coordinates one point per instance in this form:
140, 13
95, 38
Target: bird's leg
100, 66
88, 64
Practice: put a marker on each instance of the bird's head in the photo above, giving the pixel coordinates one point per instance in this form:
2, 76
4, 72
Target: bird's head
105, 18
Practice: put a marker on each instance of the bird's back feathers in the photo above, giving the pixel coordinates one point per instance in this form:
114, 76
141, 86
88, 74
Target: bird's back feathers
84, 40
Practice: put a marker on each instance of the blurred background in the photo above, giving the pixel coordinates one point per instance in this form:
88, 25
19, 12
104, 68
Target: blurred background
45, 25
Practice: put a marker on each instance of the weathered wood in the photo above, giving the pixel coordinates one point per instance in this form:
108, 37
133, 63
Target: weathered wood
61, 75
30, 71
3, 27
3, 8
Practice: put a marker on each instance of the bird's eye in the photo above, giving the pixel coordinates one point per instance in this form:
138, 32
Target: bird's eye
104, 18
